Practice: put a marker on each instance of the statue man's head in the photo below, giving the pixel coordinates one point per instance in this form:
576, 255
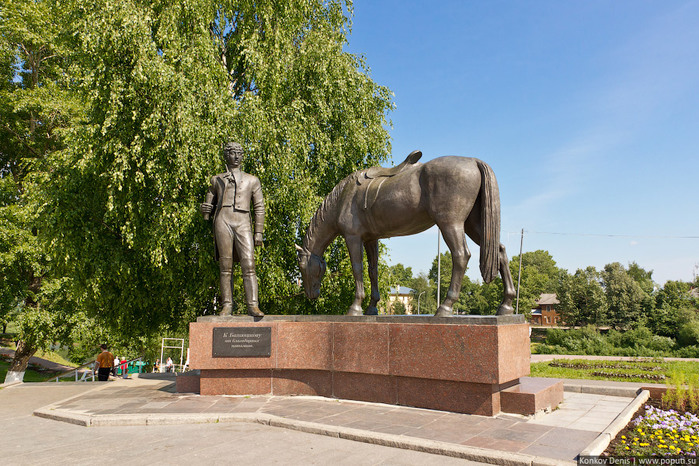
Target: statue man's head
233, 154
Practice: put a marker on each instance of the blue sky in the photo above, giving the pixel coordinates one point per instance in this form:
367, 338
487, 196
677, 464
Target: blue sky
588, 112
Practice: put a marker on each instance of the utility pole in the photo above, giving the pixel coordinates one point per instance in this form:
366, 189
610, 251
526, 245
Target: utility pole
519, 275
439, 266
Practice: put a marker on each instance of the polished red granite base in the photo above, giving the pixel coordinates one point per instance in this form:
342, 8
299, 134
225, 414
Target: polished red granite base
531, 395
459, 364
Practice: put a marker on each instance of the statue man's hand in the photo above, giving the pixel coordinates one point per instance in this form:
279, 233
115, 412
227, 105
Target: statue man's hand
258, 239
206, 209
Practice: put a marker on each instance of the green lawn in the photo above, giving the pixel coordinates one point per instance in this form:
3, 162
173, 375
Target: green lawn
31, 375
646, 371
55, 357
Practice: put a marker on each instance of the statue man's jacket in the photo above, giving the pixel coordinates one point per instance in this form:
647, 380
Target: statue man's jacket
247, 188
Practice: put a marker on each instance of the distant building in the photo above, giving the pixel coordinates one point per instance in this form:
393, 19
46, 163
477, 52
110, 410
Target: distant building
401, 294
545, 313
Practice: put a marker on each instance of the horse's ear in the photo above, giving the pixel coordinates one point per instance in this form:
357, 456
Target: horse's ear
298, 248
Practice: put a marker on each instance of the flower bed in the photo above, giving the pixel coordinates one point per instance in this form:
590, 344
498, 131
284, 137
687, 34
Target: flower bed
658, 432
623, 375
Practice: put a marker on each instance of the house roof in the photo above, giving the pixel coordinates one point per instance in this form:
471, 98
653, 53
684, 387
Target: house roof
400, 290
547, 299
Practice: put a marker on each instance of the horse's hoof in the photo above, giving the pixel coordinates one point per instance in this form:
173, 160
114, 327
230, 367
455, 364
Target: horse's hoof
444, 311
505, 310
372, 311
353, 311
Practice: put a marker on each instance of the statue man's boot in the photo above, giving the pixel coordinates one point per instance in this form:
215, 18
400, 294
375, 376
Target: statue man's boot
250, 285
226, 294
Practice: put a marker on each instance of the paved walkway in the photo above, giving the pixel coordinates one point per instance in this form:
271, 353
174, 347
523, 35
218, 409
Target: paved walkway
148, 407
31, 440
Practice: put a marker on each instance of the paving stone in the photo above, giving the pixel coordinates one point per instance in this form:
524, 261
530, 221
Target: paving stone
562, 436
558, 435
500, 444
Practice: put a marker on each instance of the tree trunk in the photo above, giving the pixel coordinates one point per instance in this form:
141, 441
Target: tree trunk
19, 363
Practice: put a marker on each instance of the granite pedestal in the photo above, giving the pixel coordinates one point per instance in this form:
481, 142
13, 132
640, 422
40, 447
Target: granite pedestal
463, 364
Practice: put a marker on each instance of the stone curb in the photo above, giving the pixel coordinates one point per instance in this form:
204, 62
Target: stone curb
603, 440
10, 384
600, 390
482, 455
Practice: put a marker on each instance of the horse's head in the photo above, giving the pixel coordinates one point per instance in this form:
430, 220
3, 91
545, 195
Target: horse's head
312, 269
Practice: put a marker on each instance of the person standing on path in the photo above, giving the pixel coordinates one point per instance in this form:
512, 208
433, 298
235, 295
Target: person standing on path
104, 364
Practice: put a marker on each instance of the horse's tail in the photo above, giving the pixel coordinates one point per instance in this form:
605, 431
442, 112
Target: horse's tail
490, 222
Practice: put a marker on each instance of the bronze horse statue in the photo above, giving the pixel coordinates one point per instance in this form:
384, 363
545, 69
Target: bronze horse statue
458, 194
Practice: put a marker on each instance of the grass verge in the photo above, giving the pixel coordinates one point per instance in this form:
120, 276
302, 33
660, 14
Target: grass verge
639, 370
33, 373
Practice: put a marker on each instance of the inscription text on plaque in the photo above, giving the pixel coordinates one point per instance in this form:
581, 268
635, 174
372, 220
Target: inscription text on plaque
242, 342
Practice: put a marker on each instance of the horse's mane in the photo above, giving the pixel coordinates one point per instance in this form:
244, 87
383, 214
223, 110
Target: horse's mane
329, 204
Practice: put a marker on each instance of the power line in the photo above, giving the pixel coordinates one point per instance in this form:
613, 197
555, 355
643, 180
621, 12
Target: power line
606, 235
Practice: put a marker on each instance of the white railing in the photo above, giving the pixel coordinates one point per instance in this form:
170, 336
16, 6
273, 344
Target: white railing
83, 372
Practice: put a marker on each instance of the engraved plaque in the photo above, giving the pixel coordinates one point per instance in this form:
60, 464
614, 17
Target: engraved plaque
242, 342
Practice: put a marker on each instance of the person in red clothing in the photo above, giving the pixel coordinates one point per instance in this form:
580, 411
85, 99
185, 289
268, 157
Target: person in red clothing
103, 364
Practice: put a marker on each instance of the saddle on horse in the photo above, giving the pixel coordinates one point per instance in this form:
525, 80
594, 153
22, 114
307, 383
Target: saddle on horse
370, 191
379, 172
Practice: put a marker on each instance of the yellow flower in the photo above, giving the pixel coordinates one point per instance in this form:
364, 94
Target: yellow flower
627, 448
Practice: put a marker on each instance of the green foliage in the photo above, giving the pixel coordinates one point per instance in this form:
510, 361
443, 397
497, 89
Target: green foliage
35, 109
642, 341
582, 299
539, 275
400, 275
20, 257
478, 298
683, 392
586, 340
444, 275
33, 373
640, 370
689, 334
639, 341
423, 294
625, 297
643, 277
398, 308
165, 84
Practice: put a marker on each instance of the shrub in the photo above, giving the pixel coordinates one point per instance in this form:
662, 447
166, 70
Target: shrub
689, 334
687, 352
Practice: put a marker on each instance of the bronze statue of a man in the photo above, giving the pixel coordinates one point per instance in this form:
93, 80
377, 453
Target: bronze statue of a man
229, 199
